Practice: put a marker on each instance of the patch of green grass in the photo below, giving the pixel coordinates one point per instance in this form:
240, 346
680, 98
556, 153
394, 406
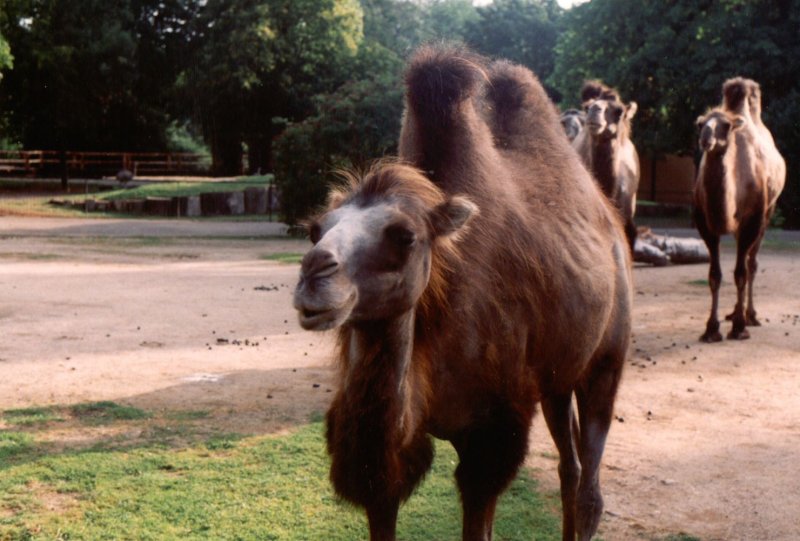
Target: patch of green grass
284, 257
260, 488
31, 416
181, 189
701, 282
97, 413
13, 444
188, 415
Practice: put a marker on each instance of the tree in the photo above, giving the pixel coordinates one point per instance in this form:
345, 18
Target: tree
87, 74
523, 31
6, 59
358, 122
255, 62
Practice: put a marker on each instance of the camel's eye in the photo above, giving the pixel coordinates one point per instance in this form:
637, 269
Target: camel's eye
314, 232
400, 235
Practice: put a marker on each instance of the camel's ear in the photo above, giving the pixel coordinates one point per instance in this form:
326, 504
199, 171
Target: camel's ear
700, 121
452, 215
631, 111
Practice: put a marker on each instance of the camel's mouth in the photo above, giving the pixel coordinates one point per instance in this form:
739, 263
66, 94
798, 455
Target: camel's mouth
316, 318
594, 127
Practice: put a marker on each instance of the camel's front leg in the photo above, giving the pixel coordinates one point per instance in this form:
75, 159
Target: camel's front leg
489, 457
382, 521
712, 333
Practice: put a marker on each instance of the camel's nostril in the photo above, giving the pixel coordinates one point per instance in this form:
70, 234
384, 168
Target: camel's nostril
318, 264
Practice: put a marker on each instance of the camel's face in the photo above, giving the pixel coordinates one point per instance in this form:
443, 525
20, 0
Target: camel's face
716, 129
573, 122
370, 262
603, 117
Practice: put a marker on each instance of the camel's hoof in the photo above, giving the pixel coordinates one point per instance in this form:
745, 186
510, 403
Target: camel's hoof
739, 335
711, 337
729, 317
753, 322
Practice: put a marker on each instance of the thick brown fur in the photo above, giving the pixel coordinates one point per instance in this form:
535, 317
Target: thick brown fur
609, 153
529, 302
740, 177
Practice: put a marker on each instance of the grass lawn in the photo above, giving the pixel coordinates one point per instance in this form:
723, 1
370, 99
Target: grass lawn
38, 204
212, 486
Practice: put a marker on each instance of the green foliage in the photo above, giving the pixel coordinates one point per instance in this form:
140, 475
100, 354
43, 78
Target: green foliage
523, 31
181, 138
358, 122
231, 488
6, 58
255, 61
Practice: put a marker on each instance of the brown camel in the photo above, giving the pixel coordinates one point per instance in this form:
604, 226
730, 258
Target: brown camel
740, 177
573, 122
607, 150
454, 322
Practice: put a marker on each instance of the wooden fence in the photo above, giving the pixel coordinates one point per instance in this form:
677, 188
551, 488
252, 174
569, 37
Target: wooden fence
52, 163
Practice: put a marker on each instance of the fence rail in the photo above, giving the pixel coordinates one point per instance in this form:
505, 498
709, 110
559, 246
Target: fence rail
53, 163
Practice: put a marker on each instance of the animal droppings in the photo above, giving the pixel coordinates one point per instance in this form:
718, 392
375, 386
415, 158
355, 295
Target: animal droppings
316, 386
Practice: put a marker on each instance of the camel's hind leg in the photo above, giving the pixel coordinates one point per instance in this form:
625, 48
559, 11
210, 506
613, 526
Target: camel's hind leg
712, 333
560, 419
752, 270
595, 396
747, 241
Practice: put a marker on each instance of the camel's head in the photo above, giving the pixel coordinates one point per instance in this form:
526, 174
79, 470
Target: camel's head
605, 118
372, 252
573, 120
716, 128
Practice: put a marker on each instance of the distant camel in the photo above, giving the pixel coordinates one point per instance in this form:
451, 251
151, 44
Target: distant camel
740, 177
573, 121
455, 322
607, 150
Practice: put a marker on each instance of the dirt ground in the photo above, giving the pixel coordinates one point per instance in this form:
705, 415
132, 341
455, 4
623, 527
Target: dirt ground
170, 317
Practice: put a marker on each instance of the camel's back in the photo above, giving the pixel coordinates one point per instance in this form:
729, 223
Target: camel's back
544, 272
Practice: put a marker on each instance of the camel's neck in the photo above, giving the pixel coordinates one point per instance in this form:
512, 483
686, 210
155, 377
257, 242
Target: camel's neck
604, 152
378, 384
376, 437
717, 186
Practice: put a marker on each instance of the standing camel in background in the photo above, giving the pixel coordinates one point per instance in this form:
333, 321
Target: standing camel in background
573, 121
455, 322
607, 150
740, 177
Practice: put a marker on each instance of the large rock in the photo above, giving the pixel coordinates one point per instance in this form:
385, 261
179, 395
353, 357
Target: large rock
188, 206
159, 206
222, 203
255, 200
